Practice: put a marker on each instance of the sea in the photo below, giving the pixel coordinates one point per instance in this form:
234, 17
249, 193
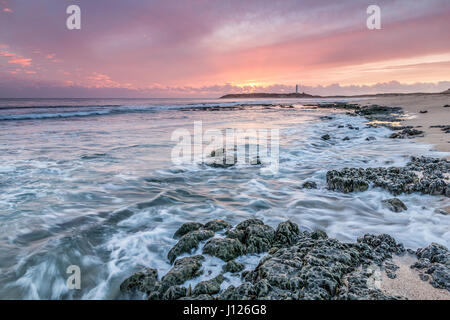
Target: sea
92, 183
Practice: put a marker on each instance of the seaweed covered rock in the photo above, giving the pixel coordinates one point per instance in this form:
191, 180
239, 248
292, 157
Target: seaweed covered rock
183, 270
217, 225
233, 266
186, 228
211, 286
144, 281
224, 248
434, 261
287, 234
256, 236
188, 242
396, 180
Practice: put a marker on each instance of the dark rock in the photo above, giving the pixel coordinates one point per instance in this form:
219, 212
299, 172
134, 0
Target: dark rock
209, 287
258, 238
319, 234
183, 270
325, 137
345, 181
287, 234
395, 205
217, 225
233, 266
346, 138
174, 293
199, 297
309, 185
371, 138
243, 292
144, 281
396, 180
226, 249
407, 133
186, 228
423, 111
188, 242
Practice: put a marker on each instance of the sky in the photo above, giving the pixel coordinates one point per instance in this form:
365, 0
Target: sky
206, 48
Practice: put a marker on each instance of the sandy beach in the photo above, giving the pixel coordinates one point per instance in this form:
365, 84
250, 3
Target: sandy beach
436, 115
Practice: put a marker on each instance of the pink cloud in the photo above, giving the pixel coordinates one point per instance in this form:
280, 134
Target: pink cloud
24, 62
8, 10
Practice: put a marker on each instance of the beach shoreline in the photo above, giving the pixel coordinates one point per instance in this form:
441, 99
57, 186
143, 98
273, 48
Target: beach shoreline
436, 115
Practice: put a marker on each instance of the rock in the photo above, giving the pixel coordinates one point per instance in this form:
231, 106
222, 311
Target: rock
223, 158
407, 133
319, 234
144, 281
258, 238
174, 293
371, 138
383, 246
183, 270
287, 234
346, 139
199, 297
423, 111
447, 106
188, 242
186, 228
217, 225
226, 249
243, 292
325, 137
209, 287
233, 266
338, 181
396, 180
434, 261
309, 185
394, 204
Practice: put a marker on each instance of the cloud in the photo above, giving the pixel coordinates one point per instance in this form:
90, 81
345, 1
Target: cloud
24, 62
8, 10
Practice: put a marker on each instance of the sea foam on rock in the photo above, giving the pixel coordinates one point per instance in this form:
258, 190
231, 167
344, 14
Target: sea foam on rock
299, 265
421, 174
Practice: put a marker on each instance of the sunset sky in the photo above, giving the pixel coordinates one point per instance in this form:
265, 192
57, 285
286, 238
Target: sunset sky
205, 48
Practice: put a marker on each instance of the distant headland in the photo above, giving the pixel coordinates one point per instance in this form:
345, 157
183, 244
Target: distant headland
268, 95
265, 95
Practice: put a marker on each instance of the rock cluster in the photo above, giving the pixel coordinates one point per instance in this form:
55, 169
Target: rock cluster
298, 265
421, 174
407, 133
434, 262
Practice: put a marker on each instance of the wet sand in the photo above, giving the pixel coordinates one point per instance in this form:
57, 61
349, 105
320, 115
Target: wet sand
436, 115
408, 284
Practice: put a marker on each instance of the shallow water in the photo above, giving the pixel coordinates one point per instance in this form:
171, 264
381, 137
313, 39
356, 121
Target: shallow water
91, 183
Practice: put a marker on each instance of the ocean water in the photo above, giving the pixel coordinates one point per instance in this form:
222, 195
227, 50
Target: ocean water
90, 182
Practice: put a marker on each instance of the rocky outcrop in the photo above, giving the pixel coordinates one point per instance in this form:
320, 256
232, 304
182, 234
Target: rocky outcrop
424, 175
407, 133
434, 263
298, 265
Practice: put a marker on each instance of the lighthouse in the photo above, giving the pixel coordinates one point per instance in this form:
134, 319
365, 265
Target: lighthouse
296, 88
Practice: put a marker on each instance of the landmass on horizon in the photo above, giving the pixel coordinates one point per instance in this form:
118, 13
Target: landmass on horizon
263, 95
